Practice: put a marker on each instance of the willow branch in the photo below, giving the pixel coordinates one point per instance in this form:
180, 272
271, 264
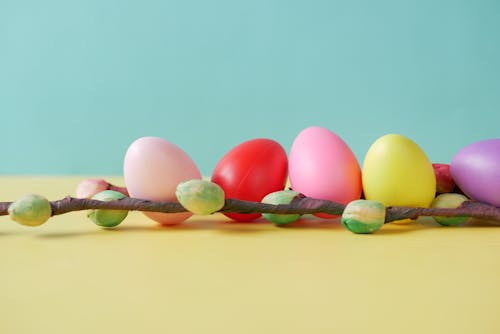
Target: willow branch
300, 205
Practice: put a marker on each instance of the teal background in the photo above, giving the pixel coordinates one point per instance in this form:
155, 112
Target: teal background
80, 80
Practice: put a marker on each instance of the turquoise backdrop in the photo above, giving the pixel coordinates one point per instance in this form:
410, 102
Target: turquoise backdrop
80, 80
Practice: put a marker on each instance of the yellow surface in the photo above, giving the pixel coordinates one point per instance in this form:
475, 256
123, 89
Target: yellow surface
211, 276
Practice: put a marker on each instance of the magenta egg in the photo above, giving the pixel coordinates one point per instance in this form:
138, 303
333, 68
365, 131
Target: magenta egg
321, 165
476, 170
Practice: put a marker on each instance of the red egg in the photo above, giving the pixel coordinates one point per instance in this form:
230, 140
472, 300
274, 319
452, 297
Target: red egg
250, 171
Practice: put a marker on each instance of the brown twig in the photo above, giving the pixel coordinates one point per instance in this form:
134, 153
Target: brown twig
300, 205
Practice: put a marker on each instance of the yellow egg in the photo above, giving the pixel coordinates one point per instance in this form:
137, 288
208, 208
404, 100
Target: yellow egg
397, 172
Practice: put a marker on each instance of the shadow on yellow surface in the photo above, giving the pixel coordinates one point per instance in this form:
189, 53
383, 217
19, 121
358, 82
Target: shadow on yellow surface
220, 224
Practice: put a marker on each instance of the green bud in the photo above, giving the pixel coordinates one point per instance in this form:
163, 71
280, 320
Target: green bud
451, 201
280, 197
363, 216
30, 210
107, 218
200, 197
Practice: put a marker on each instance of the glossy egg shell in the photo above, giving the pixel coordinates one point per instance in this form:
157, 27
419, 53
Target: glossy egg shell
476, 170
250, 171
322, 166
153, 167
396, 171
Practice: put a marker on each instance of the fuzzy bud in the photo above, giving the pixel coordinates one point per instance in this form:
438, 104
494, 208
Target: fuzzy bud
107, 218
363, 216
200, 197
449, 201
280, 197
90, 187
30, 210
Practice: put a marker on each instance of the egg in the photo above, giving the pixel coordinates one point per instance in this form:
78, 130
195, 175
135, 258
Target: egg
250, 171
152, 168
322, 166
397, 172
476, 170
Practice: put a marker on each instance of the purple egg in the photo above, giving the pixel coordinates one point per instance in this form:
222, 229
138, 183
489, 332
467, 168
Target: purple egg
476, 170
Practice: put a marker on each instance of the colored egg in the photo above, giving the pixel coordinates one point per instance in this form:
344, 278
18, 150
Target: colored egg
397, 172
322, 166
476, 170
153, 167
250, 171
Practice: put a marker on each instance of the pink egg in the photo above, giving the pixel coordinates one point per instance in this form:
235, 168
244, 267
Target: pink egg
321, 165
153, 168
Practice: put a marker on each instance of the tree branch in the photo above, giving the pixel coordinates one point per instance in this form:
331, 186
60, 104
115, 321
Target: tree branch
300, 205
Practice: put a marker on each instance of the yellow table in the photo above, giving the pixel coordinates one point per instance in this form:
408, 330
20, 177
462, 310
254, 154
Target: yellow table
209, 275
